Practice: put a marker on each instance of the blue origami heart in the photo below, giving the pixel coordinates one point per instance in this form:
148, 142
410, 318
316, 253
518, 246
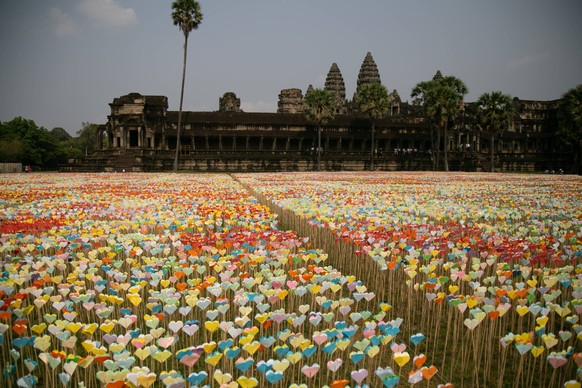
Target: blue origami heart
232, 353
309, 351
357, 357
391, 381
329, 348
244, 366
223, 345
196, 378
274, 377
417, 338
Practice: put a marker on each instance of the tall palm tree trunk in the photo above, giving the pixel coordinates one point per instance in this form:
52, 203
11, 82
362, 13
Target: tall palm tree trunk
319, 148
438, 149
181, 102
372, 149
446, 146
578, 160
492, 146
432, 145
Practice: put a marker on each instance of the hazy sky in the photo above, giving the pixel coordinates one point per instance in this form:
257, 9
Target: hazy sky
63, 61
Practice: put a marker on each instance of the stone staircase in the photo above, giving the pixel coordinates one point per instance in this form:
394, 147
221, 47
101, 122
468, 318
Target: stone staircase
109, 161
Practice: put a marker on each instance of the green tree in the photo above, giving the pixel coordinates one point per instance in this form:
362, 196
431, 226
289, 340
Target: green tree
319, 107
60, 134
86, 140
186, 14
494, 115
373, 100
11, 150
570, 113
23, 141
442, 100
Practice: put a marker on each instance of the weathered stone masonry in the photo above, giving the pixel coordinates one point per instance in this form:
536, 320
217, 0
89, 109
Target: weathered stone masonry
140, 135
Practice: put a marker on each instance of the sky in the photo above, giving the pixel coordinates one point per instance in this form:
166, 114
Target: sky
63, 61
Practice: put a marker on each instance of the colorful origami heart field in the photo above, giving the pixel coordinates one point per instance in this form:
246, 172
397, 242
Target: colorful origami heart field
486, 266
179, 280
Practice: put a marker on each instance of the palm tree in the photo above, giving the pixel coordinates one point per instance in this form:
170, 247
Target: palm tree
442, 99
570, 109
319, 107
494, 114
373, 100
187, 16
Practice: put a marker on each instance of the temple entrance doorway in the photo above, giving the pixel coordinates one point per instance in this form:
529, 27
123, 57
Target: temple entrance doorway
133, 138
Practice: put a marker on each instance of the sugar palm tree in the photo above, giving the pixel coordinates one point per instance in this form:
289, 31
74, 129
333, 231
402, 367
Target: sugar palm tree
442, 100
494, 114
319, 107
570, 109
373, 101
186, 14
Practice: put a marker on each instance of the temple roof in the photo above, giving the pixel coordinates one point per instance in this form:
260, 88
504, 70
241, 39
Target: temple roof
136, 98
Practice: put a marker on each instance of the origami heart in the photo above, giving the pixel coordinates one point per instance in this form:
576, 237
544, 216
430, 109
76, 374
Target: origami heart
401, 358
246, 382
162, 356
359, 375
222, 378
429, 372
274, 377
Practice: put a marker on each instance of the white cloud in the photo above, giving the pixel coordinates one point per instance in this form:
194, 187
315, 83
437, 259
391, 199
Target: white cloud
64, 26
528, 59
107, 13
258, 106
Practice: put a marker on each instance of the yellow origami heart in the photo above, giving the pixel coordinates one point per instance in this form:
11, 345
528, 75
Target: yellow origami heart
281, 365
537, 350
134, 299
162, 356
294, 357
211, 326
247, 339
39, 329
214, 359
209, 347
373, 351
146, 380
246, 382
222, 378
142, 353
116, 348
522, 310
401, 358
252, 347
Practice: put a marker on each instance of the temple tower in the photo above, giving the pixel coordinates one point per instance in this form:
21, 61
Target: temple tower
290, 101
335, 84
368, 73
229, 103
395, 102
309, 90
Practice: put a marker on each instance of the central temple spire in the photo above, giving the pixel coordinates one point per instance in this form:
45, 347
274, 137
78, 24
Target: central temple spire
368, 73
335, 84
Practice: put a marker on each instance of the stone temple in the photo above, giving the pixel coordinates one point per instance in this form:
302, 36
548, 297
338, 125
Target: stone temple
140, 135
